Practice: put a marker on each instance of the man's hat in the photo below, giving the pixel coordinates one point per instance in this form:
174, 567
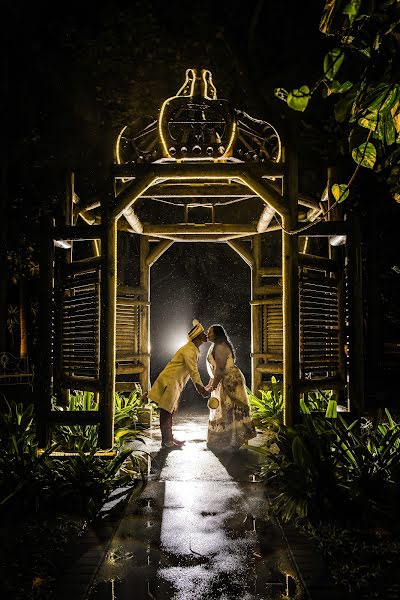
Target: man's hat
196, 330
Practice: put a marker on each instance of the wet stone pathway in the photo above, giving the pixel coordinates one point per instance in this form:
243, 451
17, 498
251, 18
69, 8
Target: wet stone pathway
202, 530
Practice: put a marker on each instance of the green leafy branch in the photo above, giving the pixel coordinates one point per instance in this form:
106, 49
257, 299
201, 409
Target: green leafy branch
369, 39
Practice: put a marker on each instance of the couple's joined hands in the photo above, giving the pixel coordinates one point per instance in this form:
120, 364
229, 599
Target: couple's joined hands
203, 391
209, 386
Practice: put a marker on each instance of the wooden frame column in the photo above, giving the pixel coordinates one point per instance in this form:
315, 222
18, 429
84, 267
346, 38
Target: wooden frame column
256, 333
290, 304
144, 334
108, 310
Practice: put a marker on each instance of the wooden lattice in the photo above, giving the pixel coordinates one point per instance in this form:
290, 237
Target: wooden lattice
272, 328
128, 330
80, 325
319, 325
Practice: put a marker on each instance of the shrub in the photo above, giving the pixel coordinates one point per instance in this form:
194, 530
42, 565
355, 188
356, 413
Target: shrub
267, 410
326, 468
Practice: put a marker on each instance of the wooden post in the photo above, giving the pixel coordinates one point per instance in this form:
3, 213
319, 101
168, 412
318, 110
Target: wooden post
356, 321
256, 333
144, 341
108, 326
290, 273
44, 387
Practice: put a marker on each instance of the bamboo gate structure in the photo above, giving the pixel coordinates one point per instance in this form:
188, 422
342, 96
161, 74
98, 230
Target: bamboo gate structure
199, 153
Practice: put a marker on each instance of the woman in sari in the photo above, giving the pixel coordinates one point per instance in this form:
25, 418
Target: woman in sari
230, 425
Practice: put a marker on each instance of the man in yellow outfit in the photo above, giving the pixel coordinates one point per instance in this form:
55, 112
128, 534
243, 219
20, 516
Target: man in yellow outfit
168, 387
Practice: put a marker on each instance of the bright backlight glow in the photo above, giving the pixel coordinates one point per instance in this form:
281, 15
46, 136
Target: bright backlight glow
177, 339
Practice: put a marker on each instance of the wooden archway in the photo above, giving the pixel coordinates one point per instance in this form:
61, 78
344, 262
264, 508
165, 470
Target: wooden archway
88, 307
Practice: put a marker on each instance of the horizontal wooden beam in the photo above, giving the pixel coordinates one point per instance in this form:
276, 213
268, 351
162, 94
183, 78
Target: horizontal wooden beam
127, 290
124, 301
268, 290
125, 386
255, 177
267, 356
270, 368
122, 369
203, 228
208, 190
270, 271
196, 168
212, 238
277, 301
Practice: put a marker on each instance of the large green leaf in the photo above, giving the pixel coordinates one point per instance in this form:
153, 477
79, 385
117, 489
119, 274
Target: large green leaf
369, 121
304, 408
344, 87
340, 191
365, 155
335, 87
332, 63
299, 98
331, 411
382, 98
387, 129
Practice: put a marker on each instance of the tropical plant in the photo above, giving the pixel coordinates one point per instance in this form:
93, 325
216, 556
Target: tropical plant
318, 400
78, 483
304, 470
78, 437
367, 36
85, 481
22, 472
85, 437
267, 410
369, 465
326, 463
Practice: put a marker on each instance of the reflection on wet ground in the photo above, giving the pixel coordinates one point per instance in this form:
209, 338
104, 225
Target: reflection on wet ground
201, 530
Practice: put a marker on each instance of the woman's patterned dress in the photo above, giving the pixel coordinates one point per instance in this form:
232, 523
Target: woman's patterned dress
230, 425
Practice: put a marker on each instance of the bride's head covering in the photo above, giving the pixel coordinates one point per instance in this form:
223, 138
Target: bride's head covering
196, 330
